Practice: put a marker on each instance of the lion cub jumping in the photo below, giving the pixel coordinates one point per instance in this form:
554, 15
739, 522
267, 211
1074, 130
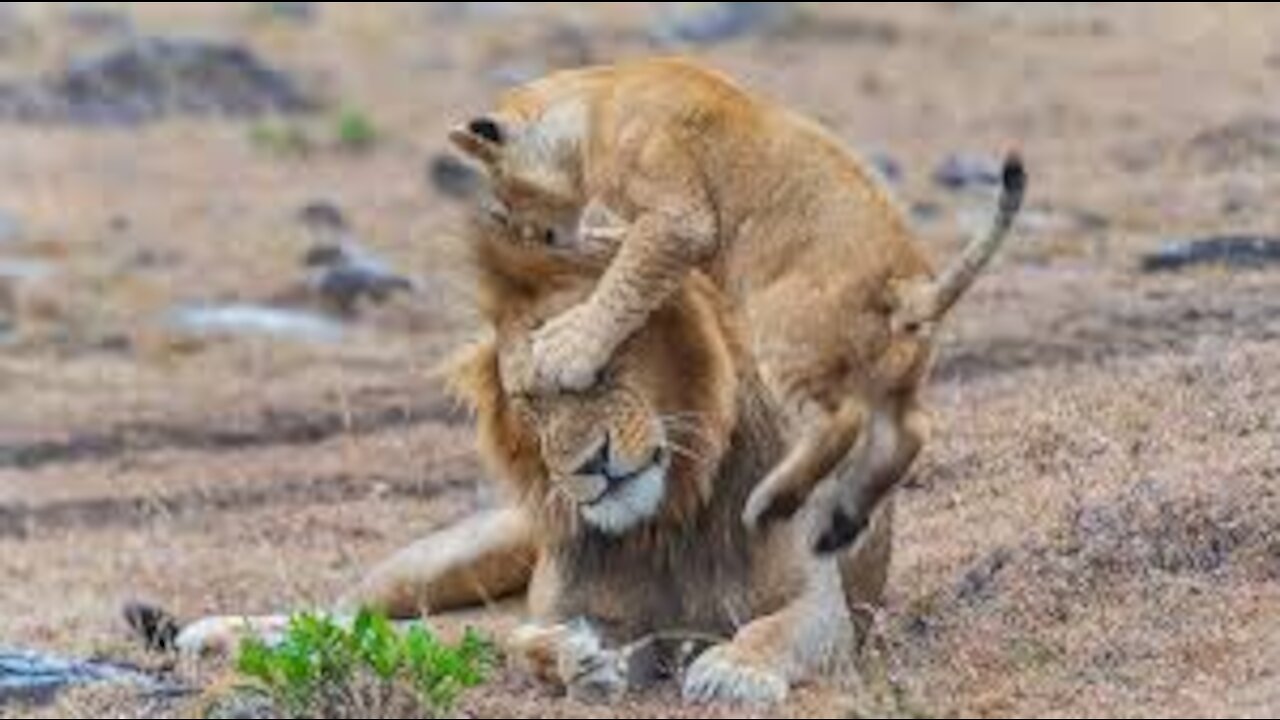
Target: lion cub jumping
658, 167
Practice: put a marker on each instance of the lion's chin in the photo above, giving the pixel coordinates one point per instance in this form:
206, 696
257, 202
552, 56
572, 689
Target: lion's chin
630, 505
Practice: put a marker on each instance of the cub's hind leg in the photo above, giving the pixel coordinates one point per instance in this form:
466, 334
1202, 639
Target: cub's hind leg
825, 440
846, 507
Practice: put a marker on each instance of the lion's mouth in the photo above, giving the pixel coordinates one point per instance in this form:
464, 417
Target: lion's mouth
625, 502
613, 485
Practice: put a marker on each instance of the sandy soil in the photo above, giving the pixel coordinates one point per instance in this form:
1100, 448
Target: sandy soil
1094, 532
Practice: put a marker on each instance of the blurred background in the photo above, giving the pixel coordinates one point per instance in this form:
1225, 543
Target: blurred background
226, 278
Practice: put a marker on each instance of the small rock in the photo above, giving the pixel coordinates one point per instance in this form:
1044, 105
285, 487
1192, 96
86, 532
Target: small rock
925, 212
460, 11
256, 321
300, 12
97, 20
148, 79
8, 309
23, 271
11, 230
1055, 221
703, 23
16, 34
568, 45
980, 582
1241, 252
451, 177
32, 678
522, 56
343, 273
1243, 142
889, 168
964, 171
242, 705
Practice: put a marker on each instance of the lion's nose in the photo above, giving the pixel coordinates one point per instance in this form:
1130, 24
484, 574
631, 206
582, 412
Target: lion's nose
599, 463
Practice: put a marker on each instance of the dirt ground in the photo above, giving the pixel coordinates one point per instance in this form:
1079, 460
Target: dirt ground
1093, 533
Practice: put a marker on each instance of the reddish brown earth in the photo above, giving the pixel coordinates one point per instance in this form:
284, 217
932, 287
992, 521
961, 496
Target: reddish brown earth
1094, 532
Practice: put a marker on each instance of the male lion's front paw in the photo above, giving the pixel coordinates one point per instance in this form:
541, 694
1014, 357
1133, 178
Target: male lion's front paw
568, 353
725, 675
592, 674
573, 658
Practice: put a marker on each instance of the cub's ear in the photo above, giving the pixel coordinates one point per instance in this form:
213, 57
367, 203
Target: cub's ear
481, 139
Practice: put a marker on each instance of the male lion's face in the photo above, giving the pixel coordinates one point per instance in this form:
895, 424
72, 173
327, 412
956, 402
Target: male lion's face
644, 445
646, 442
608, 453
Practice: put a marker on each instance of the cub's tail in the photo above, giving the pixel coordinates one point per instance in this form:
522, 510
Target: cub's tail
930, 303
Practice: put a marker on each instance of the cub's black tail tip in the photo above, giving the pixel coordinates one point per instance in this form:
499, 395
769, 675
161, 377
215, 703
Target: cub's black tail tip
1013, 191
1014, 175
842, 534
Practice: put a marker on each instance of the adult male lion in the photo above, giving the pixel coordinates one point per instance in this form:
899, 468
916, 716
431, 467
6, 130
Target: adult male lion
624, 522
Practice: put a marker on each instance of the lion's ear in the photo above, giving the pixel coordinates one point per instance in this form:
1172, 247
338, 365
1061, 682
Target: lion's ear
480, 139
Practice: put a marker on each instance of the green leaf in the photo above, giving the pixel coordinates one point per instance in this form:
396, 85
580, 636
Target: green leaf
356, 131
255, 661
320, 666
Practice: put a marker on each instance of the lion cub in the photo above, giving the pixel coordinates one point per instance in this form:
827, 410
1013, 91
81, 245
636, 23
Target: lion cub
658, 167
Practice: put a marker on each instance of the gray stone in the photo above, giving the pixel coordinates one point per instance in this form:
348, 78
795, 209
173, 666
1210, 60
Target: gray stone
16, 34
12, 231
223, 321
97, 20
453, 178
709, 23
1241, 252
965, 171
887, 166
300, 12
33, 678
343, 273
476, 11
1249, 141
24, 271
149, 79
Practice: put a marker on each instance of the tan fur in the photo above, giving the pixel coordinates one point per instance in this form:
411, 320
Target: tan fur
818, 262
683, 387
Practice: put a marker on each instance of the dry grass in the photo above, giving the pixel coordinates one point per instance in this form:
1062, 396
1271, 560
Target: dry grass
1095, 531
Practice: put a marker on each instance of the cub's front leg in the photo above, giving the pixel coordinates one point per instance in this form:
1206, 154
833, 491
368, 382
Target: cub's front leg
571, 350
674, 230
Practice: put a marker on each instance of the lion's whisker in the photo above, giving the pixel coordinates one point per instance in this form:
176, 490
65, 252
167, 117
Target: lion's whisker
689, 453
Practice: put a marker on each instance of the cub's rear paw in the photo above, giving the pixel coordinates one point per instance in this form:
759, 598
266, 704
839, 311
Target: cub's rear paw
724, 676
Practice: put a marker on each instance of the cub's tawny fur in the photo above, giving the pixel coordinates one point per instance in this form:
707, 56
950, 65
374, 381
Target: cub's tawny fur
690, 172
